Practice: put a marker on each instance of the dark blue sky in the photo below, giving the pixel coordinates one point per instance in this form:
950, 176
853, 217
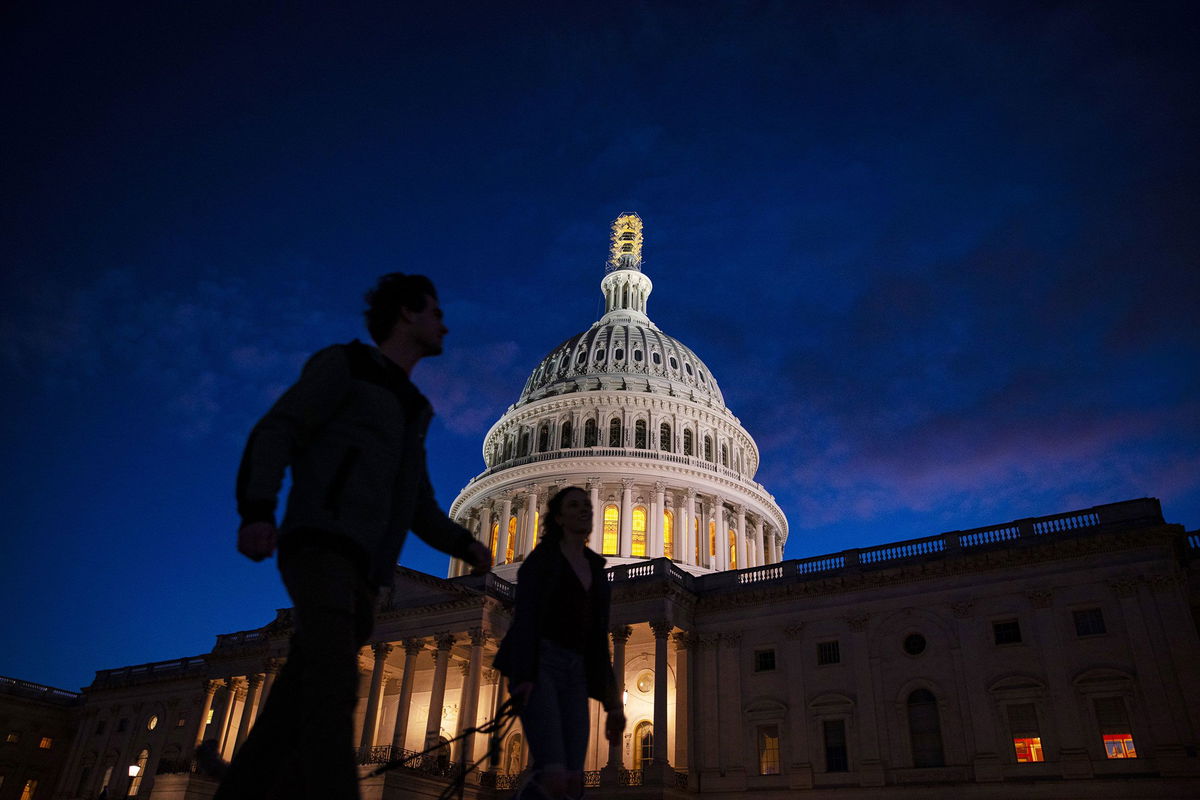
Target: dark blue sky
941, 258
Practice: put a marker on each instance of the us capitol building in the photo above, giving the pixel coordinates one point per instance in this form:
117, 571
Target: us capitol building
1050, 657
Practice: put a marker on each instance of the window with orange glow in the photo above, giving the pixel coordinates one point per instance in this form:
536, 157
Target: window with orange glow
712, 539
669, 535
495, 535
512, 539
732, 549
638, 544
612, 522
1119, 745
1028, 749
696, 536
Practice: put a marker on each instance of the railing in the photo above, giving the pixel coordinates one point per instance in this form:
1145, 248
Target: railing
629, 777
176, 766
428, 764
241, 637
591, 778
1193, 542
37, 691
155, 669
900, 550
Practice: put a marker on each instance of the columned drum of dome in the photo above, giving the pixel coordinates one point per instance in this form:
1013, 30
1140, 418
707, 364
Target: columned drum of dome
633, 416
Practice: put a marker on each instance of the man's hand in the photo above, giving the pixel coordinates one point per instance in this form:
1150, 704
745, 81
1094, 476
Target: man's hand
479, 557
256, 541
614, 726
520, 693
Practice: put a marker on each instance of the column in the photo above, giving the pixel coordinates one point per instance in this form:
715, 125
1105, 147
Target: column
662, 630
502, 544
271, 669
495, 756
620, 635
248, 710
400, 733
688, 537
437, 697
237, 691
468, 704
485, 530
742, 563
528, 541
660, 500
772, 546
760, 553
683, 684
210, 689
374, 697
722, 533
595, 541
626, 547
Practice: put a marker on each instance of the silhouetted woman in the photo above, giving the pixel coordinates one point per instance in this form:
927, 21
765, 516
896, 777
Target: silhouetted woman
556, 653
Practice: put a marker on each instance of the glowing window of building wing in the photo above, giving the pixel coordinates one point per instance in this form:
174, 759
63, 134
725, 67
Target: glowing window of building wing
612, 522
639, 531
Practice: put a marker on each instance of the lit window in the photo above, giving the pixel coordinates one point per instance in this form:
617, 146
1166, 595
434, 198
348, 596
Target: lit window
46, 743
12, 738
645, 682
768, 749
1025, 732
136, 771
696, 536
612, 521
732, 549
712, 539
1113, 720
29, 788
639, 531
643, 749
208, 720
668, 534
512, 539
152, 723
1028, 749
1089, 622
764, 661
179, 723
493, 541
1007, 631
1119, 745
828, 653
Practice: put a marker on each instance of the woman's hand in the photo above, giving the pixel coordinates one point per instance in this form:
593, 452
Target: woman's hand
614, 726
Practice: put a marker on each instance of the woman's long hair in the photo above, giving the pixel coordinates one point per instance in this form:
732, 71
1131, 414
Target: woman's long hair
551, 530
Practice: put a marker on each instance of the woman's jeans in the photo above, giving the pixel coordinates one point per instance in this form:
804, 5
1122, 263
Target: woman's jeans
555, 718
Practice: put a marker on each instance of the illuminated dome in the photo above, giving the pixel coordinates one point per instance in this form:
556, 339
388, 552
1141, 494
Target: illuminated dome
620, 353
635, 418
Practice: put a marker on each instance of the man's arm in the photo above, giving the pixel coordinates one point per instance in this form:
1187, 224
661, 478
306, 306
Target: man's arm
439, 531
284, 430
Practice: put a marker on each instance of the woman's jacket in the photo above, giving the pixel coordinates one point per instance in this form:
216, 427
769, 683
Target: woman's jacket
537, 585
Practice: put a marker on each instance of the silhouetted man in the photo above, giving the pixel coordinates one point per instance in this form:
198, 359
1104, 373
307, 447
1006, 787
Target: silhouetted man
352, 430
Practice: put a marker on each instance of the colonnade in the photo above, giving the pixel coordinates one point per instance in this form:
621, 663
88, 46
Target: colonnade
641, 520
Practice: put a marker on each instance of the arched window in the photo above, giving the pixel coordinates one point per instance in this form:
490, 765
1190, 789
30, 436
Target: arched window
664, 438
512, 540
512, 754
724, 455
733, 549
639, 434
925, 729
696, 536
565, 440
523, 447
135, 778
708, 450
493, 541
544, 437
537, 518
638, 546
689, 443
589, 433
668, 534
614, 432
643, 744
712, 539
612, 530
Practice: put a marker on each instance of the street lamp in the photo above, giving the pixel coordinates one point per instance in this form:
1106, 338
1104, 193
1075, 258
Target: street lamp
134, 770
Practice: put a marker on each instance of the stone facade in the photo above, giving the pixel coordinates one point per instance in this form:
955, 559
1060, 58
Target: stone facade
36, 726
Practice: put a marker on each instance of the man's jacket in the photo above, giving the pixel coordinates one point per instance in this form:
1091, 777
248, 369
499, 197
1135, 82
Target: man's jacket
352, 429
537, 587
